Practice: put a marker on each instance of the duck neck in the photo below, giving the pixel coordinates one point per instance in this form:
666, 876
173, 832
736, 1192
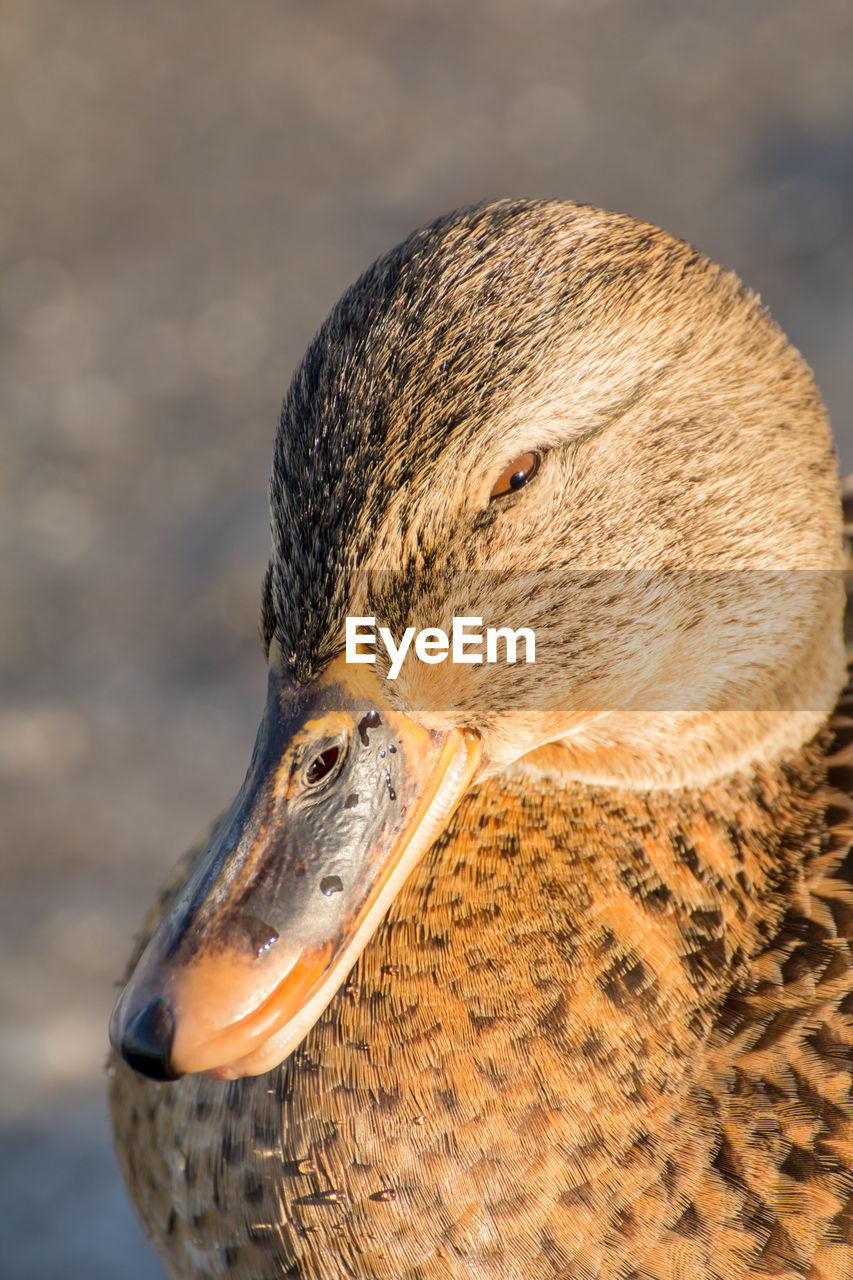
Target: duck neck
630, 914
561, 958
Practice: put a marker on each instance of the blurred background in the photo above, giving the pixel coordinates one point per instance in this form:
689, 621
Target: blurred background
186, 189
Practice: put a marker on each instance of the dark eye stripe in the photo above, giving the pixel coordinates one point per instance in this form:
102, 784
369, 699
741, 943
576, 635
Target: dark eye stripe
516, 475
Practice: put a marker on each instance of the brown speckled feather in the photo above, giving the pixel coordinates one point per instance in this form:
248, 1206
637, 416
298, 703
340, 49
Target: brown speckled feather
598, 1035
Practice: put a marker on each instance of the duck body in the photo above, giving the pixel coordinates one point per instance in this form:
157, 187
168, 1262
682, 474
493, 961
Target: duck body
602, 1029
488, 1095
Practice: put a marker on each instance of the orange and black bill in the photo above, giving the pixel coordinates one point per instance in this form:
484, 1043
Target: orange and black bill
342, 797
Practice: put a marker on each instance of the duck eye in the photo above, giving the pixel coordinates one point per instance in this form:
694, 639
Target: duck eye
322, 765
516, 475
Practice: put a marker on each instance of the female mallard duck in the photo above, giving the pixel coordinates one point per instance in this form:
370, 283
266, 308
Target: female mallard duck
533, 970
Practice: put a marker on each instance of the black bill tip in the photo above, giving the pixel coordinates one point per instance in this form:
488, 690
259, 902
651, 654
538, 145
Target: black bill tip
147, 1038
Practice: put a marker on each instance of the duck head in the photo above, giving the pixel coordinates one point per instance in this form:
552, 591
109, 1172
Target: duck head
539, 416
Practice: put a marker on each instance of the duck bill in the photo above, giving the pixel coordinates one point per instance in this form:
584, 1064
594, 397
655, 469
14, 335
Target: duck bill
343, 796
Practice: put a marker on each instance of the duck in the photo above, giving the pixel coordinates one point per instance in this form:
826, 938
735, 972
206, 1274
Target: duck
523, 966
